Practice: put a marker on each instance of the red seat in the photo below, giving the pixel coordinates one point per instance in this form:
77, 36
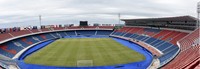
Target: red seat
12, 51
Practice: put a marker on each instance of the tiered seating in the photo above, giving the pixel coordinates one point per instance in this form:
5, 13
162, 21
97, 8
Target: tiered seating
102, 32
184, 58
70, 33
162, 40
22, 32
169, 37
188, 54
12, 47
106, 27
34, 30
59, 28
85, 32
45, 29
132, 32
55, 34
39, 38
43, 36
162, 34
5, 36
189, 40
47, 36
26, 41
9, 49
135, 30
117, 32
22, 42
29, 40
180, 36
62, 34
7, 52
74, 27
122, 31
90, 27
151, 32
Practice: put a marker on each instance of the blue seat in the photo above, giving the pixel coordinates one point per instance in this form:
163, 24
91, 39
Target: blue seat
118, 33
55, 34
49, 36
150, 40
29, 38
171, 48
157, 43
62, 34
162, 47
83, 32
140, 37
127, 35
37, 36
167, 55
70, 33
145, 38
134, 36
6, 53
102, 32
11, 45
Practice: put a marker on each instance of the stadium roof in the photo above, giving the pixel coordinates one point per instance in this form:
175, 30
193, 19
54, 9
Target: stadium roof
178, 18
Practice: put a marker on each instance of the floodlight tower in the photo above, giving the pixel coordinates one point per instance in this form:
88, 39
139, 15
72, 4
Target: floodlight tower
119, 16
40, 20
198, 14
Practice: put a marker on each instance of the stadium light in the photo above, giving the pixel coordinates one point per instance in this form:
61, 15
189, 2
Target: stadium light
40, 20
198, 7
119, 16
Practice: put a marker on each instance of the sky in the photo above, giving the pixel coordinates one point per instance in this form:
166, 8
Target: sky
26, 12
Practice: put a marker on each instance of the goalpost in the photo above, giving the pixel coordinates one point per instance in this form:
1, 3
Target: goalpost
84, 63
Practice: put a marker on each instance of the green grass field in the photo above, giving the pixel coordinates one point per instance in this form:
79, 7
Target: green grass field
66, 52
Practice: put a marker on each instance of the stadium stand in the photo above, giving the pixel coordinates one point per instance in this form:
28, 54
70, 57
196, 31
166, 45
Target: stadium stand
90, 27
106, 27
170, 43
5, 36
45, 29
22, 32
163, 40
74, 27
103, 32
189, 40
79, 32
35, 30
12, 47
189, 53
59, 28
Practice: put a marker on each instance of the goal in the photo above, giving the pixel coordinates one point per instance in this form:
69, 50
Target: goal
84, 63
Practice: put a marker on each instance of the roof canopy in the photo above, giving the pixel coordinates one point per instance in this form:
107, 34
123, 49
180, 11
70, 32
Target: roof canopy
179, 18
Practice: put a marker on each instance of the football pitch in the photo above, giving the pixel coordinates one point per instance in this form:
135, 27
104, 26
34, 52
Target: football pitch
73, 52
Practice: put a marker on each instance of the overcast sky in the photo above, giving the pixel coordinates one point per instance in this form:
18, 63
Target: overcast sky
25, 12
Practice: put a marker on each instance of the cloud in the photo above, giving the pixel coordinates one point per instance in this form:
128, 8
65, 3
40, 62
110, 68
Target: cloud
95, 11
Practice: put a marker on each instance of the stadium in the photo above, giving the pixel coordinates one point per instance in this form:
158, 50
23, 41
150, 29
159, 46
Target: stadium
140, 43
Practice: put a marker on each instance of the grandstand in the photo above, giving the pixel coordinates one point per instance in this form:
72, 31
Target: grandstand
171, 40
